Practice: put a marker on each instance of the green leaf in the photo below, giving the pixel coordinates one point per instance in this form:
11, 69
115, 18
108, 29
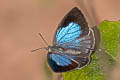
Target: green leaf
110, 41
110, 34
92, 72
48, 72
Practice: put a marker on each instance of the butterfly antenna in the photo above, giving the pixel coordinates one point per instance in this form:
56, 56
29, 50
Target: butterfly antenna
43, 39
37, 49
42, 47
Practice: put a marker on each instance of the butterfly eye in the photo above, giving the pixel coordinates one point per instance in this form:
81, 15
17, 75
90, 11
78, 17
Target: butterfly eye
60, 48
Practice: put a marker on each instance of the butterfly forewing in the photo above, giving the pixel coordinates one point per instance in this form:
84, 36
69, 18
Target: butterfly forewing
73, 32
76, 16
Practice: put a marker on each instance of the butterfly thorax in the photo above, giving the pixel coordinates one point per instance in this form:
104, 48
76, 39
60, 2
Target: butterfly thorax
55, 49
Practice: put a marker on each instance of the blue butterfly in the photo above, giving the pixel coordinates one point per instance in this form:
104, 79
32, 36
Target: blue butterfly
73, 43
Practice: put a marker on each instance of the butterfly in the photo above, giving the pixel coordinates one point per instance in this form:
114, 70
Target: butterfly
73, 43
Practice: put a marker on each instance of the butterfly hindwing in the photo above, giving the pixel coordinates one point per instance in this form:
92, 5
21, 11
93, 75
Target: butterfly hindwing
66, 62
61, 63
83, 61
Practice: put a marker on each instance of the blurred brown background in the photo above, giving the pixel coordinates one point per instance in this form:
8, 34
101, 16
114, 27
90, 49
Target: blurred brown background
22, 20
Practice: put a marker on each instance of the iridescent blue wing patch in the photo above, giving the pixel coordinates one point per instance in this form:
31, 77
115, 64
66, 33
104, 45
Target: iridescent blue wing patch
68, 33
